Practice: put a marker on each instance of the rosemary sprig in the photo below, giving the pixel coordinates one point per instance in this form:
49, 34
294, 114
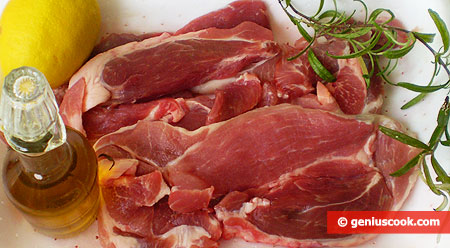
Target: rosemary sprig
382, 43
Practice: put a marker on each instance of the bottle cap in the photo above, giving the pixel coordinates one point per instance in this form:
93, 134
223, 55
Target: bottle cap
29, 113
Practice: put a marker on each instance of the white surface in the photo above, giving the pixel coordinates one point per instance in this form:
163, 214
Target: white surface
139, 16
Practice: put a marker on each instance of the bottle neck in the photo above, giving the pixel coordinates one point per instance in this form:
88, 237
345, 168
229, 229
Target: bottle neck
48, 167
29, 115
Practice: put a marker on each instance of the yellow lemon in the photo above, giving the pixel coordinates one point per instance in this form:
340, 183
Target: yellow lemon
54, 36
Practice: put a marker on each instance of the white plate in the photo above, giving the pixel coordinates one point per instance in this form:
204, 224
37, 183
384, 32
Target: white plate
140, 16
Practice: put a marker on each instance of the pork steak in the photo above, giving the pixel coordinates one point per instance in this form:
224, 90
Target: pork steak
279, 170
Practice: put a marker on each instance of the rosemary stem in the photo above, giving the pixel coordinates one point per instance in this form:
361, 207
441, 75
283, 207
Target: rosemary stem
299, 13
440, 61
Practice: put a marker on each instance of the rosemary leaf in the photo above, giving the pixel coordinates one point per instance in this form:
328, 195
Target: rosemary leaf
319, 9
436, 136
428, 179
413, 101
385, 47
440, 172
413, 162
330, 14
352, 34
302, 51
442, 120
359, 53
445, 142
440, 24
327, 14
303, 31
351, 55
419, 88
335, 9
381, 72
391, 35
443, 204
365, 9
392, 68
428, 38
404, 138
447, 134
398, 53
374, 15
419, 97
372, 68
317, 66
364, 70
385, 68
443, 115
346, 18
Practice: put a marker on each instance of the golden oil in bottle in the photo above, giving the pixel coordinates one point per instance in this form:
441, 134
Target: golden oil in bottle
50, 172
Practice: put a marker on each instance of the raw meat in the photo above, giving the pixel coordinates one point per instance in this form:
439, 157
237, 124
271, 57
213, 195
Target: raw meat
211, 132
164, 65
167, 109
272, 213
189, 200
199, 109
230, 16
142, 217
184, 61
350, 89
294, 78
274, 157
114, 40
235, 99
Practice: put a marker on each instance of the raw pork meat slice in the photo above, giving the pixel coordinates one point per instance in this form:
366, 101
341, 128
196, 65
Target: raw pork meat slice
184, 61
375, 95
231, 16
270, 214
154, 142
135, 214
235, 98
350, 89
293, 78
390, 155
282, 165
167, 109
290, 133
274, 213
192, 113
72, 105
199, 109
164, 65
114, 40
189, 200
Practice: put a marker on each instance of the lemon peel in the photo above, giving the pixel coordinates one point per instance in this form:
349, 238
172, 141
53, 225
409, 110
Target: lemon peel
54, 36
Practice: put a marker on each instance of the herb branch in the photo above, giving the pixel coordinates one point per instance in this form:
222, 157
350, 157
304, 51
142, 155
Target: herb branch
382, 43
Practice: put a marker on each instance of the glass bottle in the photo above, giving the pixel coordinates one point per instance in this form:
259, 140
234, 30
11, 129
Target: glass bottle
49, 172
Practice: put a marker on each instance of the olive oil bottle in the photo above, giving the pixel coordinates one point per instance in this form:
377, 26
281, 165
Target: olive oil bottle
49, 172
